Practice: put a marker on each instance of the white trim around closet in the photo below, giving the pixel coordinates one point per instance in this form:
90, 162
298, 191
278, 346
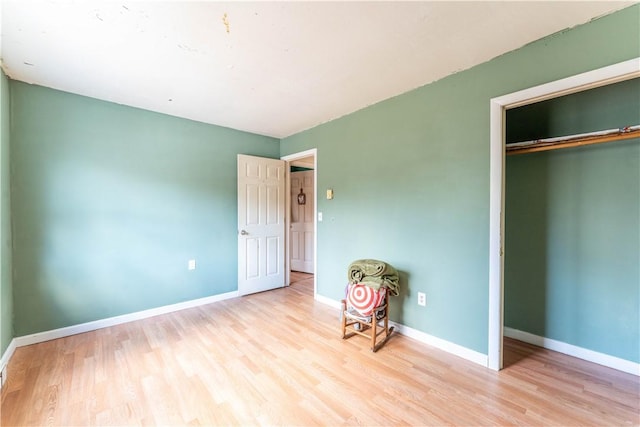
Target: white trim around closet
591, 79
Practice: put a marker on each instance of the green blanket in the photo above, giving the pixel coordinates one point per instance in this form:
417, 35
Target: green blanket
375, 274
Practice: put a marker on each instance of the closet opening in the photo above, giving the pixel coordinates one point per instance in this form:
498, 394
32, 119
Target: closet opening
501, 108
572, 200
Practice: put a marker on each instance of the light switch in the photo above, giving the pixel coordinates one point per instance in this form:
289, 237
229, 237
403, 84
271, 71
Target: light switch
192, 264
319, 216
330, 194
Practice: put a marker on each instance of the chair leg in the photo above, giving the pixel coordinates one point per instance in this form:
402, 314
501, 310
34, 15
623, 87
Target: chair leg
361, 327
374, 331
386, 323
344, 319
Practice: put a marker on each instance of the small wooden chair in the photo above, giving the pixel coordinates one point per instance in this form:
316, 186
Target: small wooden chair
371, 325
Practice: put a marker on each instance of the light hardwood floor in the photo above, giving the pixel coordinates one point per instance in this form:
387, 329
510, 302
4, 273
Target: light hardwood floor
276, 358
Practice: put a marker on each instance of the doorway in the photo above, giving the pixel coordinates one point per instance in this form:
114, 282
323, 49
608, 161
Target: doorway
301, 217
498, 106
302, 196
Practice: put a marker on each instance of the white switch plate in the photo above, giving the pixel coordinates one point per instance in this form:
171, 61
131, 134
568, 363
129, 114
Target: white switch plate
422, 299
192, 264
320, 216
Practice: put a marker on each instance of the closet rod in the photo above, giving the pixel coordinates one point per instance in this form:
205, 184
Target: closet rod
590, 138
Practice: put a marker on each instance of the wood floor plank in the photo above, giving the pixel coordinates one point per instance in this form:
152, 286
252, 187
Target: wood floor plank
276, 358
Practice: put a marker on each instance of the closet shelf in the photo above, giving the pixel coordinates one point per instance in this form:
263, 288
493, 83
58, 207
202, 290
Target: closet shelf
609, 135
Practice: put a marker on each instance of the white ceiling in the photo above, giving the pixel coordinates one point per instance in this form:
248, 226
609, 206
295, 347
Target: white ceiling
272, 68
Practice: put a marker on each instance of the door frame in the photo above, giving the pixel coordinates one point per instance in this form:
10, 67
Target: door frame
287, 256
600, 77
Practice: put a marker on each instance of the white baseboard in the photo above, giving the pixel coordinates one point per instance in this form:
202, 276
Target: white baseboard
439, 343
328, 301
117, 320
4, 360
575, 351
448, 346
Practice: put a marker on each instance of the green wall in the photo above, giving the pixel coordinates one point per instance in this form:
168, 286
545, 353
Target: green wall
573, 246
110, 202
411, 178
612, 106
6, 297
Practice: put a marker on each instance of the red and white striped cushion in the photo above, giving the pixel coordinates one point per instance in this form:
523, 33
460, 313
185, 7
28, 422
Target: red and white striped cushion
364, 299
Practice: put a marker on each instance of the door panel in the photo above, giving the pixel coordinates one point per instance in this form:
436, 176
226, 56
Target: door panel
302, 218
261, 224
252, 253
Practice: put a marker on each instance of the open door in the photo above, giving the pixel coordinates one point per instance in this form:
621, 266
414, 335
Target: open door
261, 224
301, 227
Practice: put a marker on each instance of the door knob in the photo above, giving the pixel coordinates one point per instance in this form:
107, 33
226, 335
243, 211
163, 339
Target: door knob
243, 232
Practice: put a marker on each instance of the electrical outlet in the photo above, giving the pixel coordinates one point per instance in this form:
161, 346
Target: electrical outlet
192, 264
422, 299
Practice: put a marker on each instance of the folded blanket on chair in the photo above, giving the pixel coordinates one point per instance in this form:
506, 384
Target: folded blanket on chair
375, 274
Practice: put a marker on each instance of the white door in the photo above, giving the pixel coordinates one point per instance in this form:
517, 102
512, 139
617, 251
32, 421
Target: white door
261, 224
302, 222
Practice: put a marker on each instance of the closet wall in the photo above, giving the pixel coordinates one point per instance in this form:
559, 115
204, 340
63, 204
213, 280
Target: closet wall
572, 237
